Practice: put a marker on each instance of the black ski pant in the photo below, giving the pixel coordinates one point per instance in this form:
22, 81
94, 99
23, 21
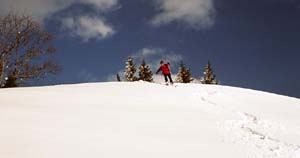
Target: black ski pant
168, 76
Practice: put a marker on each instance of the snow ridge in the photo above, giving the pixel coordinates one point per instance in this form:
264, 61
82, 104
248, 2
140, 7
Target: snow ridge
147, 120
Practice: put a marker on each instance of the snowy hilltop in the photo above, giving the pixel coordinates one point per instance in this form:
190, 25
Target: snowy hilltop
147, 120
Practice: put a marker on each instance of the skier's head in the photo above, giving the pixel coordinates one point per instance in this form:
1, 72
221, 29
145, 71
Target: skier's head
161, 62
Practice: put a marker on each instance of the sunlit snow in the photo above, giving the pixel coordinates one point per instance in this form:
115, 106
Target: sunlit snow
147, 120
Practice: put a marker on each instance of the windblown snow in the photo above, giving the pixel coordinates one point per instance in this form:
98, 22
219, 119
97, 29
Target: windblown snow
147, 120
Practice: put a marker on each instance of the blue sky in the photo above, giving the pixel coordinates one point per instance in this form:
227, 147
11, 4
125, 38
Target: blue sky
250, 43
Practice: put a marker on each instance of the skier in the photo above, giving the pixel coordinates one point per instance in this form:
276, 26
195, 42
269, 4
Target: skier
165, 68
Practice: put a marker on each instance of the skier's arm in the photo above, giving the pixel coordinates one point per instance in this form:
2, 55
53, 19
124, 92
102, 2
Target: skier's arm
158, 70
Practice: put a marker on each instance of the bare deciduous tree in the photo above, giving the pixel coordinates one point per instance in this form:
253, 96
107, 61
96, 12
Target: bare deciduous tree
26, 52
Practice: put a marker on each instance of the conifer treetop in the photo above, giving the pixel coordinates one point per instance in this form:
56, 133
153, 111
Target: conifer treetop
209, 77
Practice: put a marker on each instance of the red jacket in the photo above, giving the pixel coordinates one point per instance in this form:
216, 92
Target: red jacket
165, 68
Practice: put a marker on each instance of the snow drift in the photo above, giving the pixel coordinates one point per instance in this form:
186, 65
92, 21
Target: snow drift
143, 120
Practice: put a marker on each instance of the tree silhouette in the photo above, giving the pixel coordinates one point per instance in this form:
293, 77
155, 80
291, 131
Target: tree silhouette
26, 52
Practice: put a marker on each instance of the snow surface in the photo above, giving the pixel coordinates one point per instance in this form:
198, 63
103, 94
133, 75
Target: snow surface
147, 120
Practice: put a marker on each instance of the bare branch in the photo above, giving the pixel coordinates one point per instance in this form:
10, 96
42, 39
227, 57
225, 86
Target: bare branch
25, 50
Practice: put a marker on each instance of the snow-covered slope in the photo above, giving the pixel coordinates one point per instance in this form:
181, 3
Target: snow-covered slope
146, 120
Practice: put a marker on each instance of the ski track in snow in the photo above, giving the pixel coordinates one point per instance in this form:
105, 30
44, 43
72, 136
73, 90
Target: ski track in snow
249, 131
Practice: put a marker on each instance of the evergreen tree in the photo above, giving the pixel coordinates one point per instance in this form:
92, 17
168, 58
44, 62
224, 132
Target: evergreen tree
209, 77
181, 73
184, 74
130, 70
188, 78
145, 73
